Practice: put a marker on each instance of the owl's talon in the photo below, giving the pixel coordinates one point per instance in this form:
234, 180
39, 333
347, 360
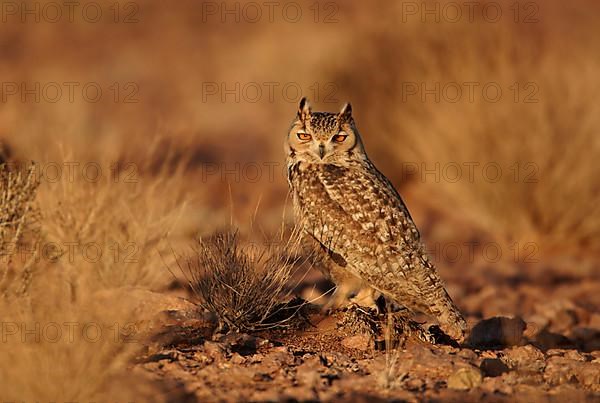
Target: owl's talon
359, 320
403, 327
395, 330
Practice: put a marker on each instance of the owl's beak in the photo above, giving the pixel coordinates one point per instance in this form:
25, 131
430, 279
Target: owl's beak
321, 150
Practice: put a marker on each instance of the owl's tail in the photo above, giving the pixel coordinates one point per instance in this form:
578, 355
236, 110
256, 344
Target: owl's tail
437, 302
451, 320
441, 305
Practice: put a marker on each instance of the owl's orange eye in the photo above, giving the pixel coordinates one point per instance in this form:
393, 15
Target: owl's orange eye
304, 136
339, 138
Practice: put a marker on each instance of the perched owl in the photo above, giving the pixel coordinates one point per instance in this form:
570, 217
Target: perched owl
353, 213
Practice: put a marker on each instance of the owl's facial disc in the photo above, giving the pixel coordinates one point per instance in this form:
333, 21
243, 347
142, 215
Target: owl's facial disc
321, 147
323, 137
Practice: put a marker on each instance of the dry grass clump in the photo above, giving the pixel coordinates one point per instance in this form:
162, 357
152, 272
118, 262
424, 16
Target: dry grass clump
55, 350
17, 217
240, 285
109, 233
55, 346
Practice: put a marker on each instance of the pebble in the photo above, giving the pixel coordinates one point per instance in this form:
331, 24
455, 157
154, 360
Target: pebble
493, 367
465, 378
358, 342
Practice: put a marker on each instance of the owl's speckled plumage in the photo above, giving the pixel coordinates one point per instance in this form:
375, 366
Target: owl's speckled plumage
352, 211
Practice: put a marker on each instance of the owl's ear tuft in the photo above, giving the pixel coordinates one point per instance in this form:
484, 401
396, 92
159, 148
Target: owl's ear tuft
345, 114
304, 109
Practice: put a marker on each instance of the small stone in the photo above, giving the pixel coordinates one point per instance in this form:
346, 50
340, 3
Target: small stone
574, 355
414, 384
467, 354
237, 359
558, 371
488, 354
465, 378
497, 332
241, 342
493, 367
214, 349
526, 358
359, 342
561, 370
555, 352
589, 375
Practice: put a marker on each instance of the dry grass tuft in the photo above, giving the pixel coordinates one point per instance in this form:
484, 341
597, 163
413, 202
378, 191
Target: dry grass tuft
56, 350
110, 233
55, 347
395, 372
242, 286
17, 216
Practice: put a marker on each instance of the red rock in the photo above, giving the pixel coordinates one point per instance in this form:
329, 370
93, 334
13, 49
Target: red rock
496, 332
358, 342
527, 358
493, 367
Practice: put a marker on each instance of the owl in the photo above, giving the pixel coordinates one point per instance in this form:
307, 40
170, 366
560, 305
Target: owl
357, 219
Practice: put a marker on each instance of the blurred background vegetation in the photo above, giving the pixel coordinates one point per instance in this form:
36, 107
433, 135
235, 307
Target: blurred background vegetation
217, 83
196, 98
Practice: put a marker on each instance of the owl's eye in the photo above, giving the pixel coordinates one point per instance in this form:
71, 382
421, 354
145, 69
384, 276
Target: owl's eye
304, 136
339, 138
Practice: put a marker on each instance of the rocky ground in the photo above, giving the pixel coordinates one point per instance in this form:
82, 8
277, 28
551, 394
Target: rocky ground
554, 356
534, 335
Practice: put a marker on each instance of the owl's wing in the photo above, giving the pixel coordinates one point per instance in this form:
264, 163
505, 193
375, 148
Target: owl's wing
358, 215
371, 200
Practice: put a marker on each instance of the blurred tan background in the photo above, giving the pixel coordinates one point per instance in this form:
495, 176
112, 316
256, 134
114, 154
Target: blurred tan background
485, 117
152, 123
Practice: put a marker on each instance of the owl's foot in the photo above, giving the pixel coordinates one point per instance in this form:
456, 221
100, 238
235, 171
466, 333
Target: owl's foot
398, 328
391, 329
357, 319
345, 298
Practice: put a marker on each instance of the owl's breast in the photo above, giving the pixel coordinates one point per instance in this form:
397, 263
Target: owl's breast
355, 199
316, 210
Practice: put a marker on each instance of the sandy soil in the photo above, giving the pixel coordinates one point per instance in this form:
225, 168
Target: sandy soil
548, 350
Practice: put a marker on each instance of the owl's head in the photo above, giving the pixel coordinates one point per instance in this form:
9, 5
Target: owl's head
323, 137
